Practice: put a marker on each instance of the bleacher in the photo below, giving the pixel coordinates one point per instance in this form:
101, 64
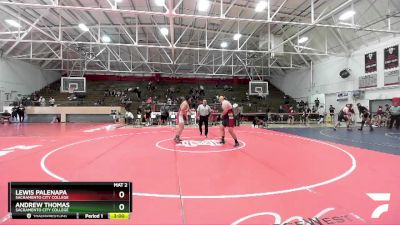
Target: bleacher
96, 90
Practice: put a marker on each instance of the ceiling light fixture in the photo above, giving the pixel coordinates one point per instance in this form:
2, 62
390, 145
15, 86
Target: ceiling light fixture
203, 5
347, 15
164, 31
302, 40
83, 27
261, 6
13, 23
159, 2
224, 44
237, 36
106, 39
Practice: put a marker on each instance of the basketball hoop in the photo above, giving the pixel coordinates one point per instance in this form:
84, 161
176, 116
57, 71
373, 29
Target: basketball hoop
71, 89
262, 94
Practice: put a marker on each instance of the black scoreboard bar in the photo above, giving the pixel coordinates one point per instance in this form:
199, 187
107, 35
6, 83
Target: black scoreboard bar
70, 200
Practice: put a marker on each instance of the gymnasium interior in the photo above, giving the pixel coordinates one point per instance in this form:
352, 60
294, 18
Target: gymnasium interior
278, 112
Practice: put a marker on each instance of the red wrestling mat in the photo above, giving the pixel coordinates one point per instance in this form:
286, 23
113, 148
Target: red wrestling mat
272, 178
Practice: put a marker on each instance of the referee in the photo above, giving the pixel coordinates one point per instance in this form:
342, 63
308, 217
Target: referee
204, 112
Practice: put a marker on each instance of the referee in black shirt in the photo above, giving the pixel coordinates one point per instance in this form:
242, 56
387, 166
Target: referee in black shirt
204, 112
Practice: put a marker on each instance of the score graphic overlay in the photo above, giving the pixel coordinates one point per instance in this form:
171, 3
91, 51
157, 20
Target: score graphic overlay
72, 200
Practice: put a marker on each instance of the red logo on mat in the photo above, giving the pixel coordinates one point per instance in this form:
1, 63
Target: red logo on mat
196, 143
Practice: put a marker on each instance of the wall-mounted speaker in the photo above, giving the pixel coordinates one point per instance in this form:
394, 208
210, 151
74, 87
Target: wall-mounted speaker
345, 73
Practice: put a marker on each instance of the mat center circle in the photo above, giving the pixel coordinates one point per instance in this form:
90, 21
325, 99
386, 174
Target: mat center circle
198, 145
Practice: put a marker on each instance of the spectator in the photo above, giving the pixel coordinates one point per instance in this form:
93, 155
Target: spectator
395, 116
56, 119
291, 115
14, 113
5, 116
149, 100
21, 113
52, 101
138, 92
301, 105
237, 114
321, 113
387, 114
42, 101
147, 111
332, 113
280, 111
258, 122
164, 113
285, 99
379, 114
128, 117
316, 101
202, 92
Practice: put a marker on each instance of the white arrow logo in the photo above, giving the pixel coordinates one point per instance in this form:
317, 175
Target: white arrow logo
382, 208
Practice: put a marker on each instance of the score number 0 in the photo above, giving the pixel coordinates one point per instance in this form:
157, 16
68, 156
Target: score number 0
121, 195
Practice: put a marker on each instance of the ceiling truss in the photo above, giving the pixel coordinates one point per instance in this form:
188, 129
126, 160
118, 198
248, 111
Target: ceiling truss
50, 36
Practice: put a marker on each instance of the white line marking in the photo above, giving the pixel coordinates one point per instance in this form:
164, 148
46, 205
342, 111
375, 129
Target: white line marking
290, 190
391, 135
5, 218
22, 147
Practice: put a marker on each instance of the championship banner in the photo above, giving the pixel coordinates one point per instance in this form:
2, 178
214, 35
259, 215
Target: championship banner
370, 62
392, 77
391, 57
367, 81
342, 96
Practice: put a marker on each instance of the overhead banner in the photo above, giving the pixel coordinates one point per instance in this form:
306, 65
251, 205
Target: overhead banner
342, 96
391, 57
367, 81
392, 77
370, 62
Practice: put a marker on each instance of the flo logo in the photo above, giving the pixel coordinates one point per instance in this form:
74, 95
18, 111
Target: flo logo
193, 143
379, 197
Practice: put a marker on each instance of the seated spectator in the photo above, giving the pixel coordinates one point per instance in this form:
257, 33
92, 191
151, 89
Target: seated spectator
52, 101
258, 122
42, 101
379, 114
138, 92
56, 119
149, 100
285, 99
201, 92
5, 116
128, 117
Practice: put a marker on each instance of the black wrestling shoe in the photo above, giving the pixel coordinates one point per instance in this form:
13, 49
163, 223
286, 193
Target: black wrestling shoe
177, 140
222, 142
236, 144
